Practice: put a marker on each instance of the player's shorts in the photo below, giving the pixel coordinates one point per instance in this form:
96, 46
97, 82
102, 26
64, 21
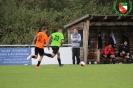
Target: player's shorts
55, 49
39, 50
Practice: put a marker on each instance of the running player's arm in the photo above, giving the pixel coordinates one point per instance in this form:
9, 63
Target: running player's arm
62, 39
34, 40
49, 39
46, 41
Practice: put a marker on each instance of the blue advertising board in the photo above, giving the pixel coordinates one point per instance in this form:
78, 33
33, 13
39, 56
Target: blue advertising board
14, 56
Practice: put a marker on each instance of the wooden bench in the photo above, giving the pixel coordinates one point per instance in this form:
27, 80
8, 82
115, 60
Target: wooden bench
118, 60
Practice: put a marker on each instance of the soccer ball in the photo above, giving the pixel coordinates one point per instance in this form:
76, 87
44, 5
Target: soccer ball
82, 63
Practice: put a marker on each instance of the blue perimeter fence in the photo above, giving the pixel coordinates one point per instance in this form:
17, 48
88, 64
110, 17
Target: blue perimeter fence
17, 54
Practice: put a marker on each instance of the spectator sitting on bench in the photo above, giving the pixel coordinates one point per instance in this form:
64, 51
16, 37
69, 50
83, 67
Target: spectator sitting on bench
108, 53
124, 51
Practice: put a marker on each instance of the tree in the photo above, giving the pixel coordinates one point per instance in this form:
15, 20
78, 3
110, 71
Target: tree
22, 19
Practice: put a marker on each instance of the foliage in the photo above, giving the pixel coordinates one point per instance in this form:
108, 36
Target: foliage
20, 20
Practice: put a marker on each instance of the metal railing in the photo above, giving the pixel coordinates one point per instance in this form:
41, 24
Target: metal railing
28, 45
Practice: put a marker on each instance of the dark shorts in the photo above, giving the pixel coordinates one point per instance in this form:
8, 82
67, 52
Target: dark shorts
123, 55
120, 55
39, 50
108, 55
55, 49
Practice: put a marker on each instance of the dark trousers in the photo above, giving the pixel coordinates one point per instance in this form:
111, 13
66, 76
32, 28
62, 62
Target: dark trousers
76, 52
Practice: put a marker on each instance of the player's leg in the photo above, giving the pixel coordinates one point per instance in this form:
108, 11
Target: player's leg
113, 58
127, 56
41, 53
55, 50
50, 55
73, 55
78, 55
39, 62
105, 59
122, 53
58, 58
33, 56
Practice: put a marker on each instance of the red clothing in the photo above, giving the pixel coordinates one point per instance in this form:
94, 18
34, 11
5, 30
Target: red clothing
107, 51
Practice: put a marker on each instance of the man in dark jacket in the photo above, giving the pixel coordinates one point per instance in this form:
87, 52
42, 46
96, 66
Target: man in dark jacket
99, 40
125, 37
108, 52
124, 50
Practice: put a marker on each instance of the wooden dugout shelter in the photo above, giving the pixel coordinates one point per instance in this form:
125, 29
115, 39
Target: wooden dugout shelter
90, 25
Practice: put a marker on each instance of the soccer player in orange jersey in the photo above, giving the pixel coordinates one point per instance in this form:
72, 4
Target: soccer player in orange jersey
40, 39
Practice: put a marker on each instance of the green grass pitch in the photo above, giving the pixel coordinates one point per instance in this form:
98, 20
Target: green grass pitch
68, 76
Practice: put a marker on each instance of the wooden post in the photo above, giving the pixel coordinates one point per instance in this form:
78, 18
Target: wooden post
84, 28
85, 39
68, 31
87, 33
98, 51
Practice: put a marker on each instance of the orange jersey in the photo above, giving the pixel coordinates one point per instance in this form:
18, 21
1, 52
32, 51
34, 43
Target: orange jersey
41, 38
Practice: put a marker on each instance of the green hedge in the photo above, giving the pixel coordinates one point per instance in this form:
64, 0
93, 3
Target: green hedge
20, 20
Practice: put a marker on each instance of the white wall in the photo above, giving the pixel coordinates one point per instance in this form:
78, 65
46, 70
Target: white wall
66, 56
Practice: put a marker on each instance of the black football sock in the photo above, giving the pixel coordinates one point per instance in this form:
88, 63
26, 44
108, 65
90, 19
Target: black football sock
38, 63
49, 55
105, 61
33, 56
59, 61
113, 60
128, 60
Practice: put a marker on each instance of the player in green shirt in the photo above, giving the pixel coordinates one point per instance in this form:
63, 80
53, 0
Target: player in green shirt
57, 39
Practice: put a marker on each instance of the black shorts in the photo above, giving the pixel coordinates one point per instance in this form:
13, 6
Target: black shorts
39, 50
55, 49
108, 55
123, 55
120, 55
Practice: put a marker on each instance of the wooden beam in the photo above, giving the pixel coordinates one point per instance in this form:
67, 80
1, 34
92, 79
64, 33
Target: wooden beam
116, 18
124, 19
111, 24
131, 18
98, 50
76, 21
105, 18
69, 36
119, 18
124, 24
117, 23
91, 18
85, 39
98, 23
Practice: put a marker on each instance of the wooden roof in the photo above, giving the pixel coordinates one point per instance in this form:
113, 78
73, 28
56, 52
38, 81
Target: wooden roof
103, 19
